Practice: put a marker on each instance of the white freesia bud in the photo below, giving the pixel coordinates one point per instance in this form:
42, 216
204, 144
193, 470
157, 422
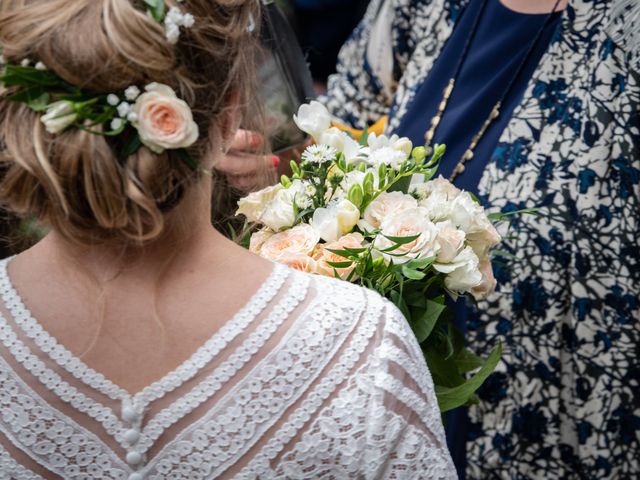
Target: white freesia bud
336, 220
466, 274
59, 116
313, 118
254, 204
403, 145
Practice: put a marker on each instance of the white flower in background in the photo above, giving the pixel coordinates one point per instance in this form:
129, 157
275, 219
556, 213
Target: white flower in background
352, 151
313, 118
386, 205
131, 93
299, 240
438, 185
488, 283
40, 66
25, 62
319, 154
376, 142
387, 156
467, 214
163, 120
323, 256
466, 274
254, 204
482, 241
438, 205
301, 193
335, 220
408, 223
451, 241
124, 109
258, 238
354, 177
59, 116
116, 124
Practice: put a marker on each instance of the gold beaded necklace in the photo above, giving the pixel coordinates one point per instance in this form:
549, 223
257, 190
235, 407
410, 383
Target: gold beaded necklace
495, 111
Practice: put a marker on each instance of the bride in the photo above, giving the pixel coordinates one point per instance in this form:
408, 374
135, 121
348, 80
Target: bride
135, 341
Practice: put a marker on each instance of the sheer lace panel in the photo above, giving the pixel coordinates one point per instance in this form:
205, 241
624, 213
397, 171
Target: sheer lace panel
313, 375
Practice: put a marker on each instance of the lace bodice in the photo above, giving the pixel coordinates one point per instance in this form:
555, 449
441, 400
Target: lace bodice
313, 378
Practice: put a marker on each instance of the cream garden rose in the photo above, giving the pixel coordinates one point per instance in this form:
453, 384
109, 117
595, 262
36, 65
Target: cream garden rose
257, 240
163, 120
386, 205
408, 223
463, 273
488, 283
451, 242
300, 240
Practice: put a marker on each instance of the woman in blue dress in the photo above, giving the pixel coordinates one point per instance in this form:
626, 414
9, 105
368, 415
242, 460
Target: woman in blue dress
565, 400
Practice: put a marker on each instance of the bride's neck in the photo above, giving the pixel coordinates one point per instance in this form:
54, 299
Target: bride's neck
189, 237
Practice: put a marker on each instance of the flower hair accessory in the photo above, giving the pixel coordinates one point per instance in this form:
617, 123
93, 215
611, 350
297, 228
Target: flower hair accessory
154, 117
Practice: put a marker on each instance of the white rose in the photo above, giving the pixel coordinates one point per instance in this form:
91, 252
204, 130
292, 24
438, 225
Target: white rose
300, 240
463, 273
163, 120
254, 204
482, 241
408, 223
386, 205
488, 283
313, 118
336, 220
279, 212
439, 206
451, 241
439, 185
59, 116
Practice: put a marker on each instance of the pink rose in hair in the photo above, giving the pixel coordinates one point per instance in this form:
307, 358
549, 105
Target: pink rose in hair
163, 120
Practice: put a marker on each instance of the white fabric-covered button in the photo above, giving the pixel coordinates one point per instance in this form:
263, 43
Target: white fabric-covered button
129, 414
132, 436
136, 476
134, 458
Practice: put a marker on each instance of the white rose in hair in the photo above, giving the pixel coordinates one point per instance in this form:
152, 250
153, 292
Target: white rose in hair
300, 240
463, 273
408, 223
59, 116
313, 118
163, 120
336, 220
254, 204
384, 206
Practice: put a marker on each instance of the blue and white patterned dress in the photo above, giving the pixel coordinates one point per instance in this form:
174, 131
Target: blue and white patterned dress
565, 402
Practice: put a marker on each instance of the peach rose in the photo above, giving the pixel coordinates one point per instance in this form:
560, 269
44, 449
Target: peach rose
297, 261
324, 256
301, 239
163, 120
257, 240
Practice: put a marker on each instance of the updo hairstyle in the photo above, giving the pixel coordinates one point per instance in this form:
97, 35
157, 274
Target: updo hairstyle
74, 181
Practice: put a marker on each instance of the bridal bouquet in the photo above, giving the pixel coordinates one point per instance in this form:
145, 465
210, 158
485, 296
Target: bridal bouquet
354, 210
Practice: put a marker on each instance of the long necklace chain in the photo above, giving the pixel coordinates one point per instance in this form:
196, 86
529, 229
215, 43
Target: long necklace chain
495, 111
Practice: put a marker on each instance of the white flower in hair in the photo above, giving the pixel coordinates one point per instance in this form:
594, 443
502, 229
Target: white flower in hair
40, 66
132, 93
173, 20
113, 99
123, 109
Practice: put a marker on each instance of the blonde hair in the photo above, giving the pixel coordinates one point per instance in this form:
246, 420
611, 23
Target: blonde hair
74, 181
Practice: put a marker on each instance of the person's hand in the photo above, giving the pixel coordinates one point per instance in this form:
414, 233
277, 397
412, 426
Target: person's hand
244, 167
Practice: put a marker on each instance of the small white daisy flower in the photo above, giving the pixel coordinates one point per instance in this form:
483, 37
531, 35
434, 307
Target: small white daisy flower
40, 66
319, 154
116, 123
112, 99
131, 93
123, 109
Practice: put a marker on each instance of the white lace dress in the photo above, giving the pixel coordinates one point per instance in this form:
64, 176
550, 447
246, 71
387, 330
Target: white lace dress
313, 378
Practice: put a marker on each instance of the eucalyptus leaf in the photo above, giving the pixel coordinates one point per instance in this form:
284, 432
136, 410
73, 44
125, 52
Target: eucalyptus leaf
412, 274
423, 326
